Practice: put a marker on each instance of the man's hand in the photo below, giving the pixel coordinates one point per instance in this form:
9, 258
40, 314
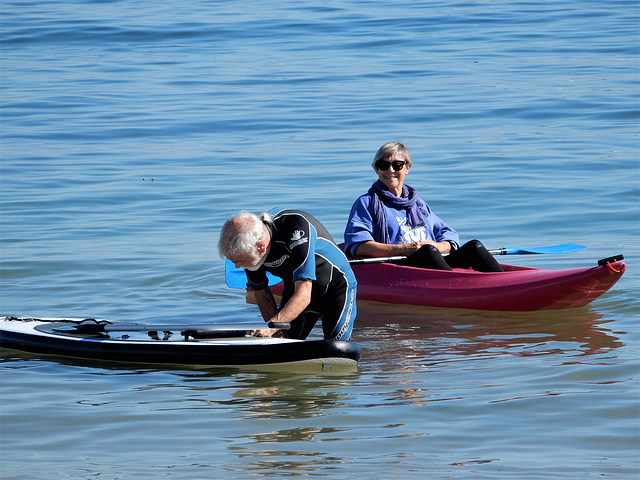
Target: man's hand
268, 332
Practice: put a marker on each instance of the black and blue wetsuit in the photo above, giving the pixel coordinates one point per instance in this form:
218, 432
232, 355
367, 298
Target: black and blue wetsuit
302, 249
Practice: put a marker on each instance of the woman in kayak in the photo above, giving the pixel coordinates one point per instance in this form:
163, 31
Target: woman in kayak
391, 219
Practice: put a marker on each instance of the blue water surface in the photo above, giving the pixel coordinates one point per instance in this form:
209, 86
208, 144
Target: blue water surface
130, 130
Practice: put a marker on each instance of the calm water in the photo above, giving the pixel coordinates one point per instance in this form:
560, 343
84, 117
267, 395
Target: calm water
131, 130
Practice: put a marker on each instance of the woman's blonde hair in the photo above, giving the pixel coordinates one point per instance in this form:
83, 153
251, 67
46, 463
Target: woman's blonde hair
389, 149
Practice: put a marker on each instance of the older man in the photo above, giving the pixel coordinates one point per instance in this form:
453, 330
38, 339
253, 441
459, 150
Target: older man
293, 245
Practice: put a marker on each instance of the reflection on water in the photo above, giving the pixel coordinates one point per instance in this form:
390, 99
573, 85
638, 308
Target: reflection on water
303, 396
389, 333
300, 434
409, 355
289, 462
245, 393
394, 338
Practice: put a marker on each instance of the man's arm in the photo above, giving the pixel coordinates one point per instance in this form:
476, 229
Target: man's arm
295, 306
297, 303
266, 303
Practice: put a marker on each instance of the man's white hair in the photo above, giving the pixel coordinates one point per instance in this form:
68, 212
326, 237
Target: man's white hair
241, 231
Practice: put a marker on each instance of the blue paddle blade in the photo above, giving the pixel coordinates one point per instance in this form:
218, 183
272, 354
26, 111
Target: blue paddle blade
236, 278
563, 248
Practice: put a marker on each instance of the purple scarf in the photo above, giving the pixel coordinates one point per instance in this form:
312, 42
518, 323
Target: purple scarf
380, 195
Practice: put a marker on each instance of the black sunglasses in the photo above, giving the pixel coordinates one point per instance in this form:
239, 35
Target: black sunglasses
384, 165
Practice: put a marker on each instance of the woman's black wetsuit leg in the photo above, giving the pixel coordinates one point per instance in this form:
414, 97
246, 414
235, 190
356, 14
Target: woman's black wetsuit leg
473, 255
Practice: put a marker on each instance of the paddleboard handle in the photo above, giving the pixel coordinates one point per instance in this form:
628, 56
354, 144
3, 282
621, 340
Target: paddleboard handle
279, 325
614, 259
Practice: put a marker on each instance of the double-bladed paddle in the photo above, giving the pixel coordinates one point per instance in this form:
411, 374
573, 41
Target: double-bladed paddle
236, 278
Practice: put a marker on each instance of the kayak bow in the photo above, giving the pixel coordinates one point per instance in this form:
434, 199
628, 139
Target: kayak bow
515, 289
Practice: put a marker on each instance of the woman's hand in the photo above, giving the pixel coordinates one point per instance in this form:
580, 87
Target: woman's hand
443, 247
377, 249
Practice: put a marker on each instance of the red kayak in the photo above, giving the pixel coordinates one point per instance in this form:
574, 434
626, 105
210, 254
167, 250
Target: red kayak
515, 289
